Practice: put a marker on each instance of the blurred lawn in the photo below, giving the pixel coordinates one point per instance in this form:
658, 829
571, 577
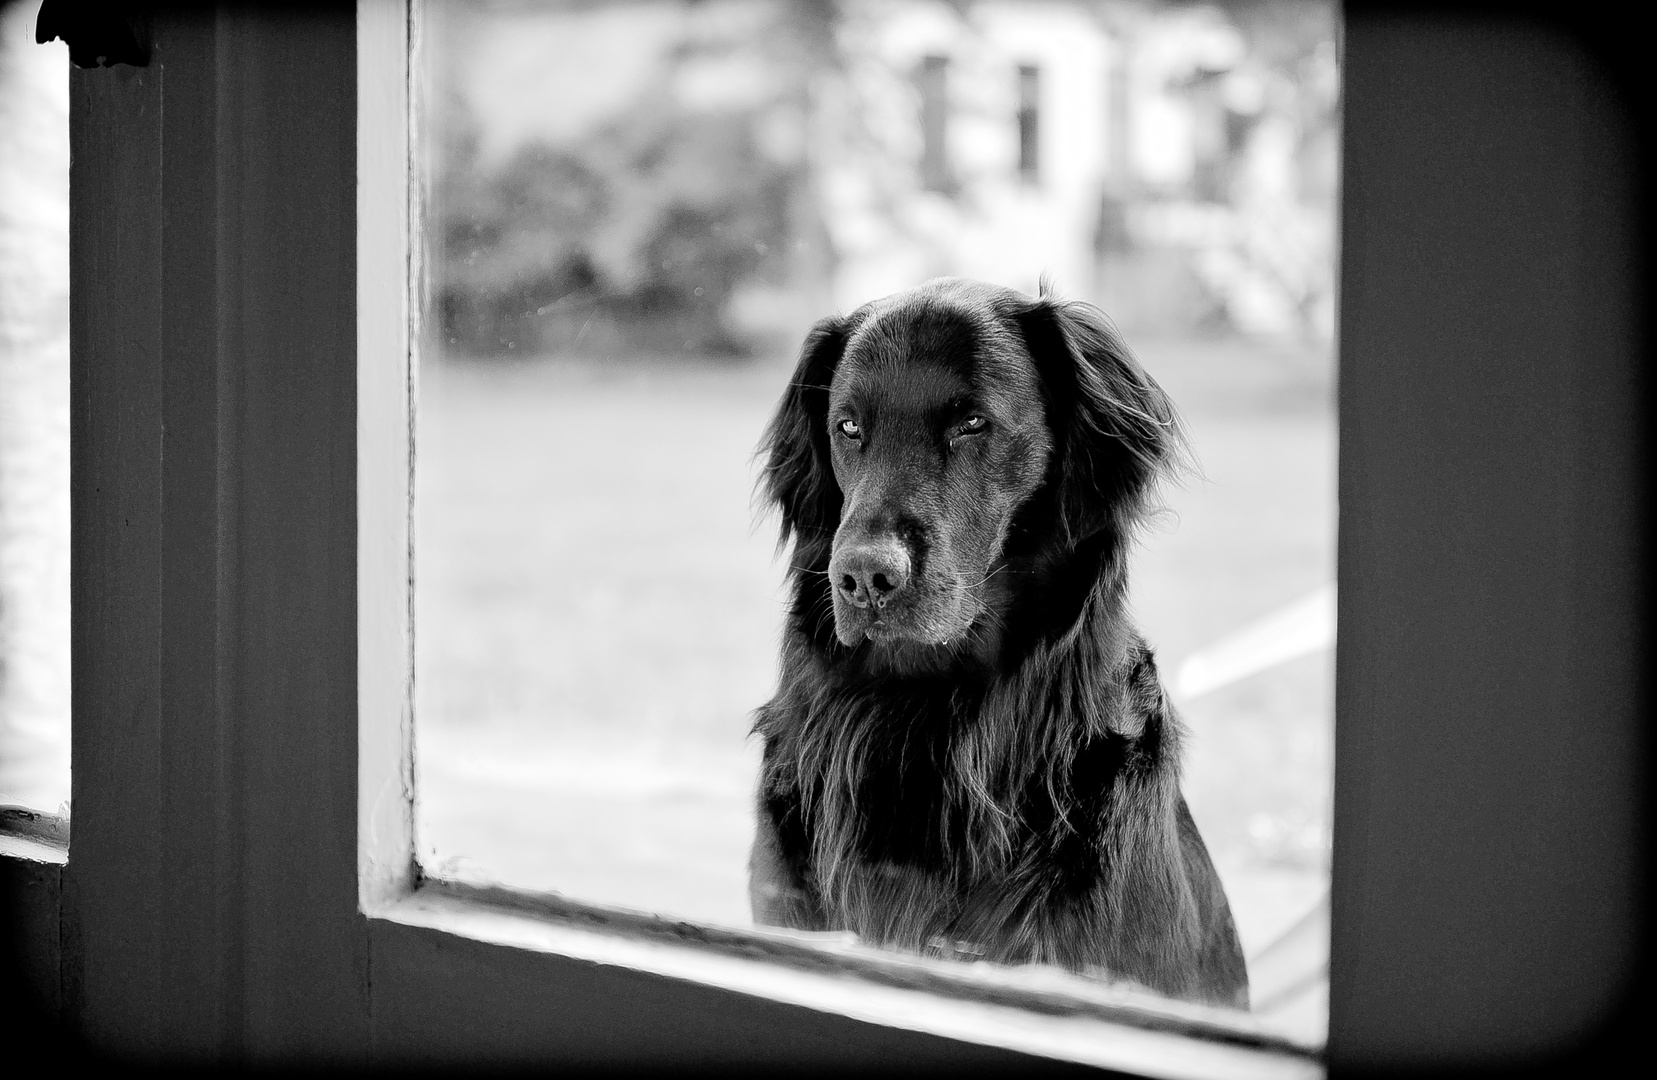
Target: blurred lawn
598, 614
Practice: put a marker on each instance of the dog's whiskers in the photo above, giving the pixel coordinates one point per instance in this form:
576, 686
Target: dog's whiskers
960, 587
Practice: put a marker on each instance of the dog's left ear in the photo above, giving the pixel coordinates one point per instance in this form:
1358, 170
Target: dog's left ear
799, 478
1116, 432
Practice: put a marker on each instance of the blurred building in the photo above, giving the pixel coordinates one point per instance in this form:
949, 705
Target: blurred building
1158, 158
670, 175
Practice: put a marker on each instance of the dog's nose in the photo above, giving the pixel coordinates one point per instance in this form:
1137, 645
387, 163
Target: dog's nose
870, 574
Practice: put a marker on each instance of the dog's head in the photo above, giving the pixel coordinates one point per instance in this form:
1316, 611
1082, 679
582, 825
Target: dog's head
930, 440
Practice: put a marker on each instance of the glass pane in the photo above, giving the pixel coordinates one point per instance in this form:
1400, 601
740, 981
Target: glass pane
635, 213
34, 415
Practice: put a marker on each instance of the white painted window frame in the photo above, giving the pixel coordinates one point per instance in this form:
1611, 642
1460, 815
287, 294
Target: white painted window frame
1045, 1013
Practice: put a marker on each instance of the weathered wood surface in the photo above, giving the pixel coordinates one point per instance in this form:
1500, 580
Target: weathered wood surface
212, 888
1494, 610
441, 999
31, 954
1492, 606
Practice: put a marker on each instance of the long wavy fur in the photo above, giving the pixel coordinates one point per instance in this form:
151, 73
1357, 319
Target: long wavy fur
1031, 813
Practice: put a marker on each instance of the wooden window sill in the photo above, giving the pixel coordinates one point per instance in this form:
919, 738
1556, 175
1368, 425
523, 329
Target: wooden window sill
1033, 1010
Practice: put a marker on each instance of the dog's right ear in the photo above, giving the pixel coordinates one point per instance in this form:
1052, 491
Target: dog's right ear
799, 477
1118, 433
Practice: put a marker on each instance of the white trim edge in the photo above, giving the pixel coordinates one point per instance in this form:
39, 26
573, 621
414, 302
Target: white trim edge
385, 795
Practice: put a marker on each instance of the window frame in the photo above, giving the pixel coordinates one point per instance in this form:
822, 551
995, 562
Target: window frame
241, 882
1058, 1016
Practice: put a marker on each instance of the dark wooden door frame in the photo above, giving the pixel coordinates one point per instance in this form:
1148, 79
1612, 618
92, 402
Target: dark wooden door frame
1491, 850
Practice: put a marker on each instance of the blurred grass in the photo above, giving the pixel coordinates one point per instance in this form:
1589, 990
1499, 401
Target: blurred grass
598, 614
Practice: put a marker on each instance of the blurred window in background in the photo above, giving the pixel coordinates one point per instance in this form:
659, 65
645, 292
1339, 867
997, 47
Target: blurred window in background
1029, 123
934, 85
34, 415
635, 210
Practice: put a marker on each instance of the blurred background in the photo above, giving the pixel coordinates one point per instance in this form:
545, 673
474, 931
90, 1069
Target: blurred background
634, 210
34, 415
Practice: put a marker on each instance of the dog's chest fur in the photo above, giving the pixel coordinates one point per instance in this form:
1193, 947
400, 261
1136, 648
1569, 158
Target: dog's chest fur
919, 831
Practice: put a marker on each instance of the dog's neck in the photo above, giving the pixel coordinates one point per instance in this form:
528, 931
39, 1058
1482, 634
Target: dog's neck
1057, 710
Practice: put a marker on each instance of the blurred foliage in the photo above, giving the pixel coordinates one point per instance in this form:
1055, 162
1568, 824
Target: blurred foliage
668, 227
634, 238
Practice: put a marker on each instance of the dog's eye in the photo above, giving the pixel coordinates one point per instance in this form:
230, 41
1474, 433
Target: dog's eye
972, 425
851, 429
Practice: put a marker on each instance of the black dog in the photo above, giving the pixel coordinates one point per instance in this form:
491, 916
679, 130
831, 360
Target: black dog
970, 752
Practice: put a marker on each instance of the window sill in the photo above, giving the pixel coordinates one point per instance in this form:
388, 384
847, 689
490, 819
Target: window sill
1030, 1010
33, 836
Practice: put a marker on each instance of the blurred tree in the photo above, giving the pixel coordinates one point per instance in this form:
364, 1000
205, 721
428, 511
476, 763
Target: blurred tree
697, 209
637, 236
514, 243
